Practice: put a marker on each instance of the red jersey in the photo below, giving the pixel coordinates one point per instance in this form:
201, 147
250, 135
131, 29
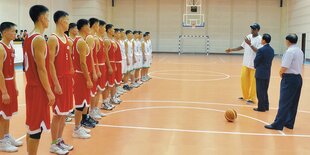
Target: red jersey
8, 63
76, 54
118, 53
101, 53
62, 57
112, 51
30, 66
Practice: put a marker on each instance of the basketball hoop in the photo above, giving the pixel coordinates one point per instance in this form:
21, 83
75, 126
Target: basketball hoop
193, 26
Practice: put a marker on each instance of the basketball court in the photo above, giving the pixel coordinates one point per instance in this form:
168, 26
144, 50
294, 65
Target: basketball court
180, 111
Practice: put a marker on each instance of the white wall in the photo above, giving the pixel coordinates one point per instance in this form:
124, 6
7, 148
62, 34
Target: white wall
17, 11
227, 21
299, 20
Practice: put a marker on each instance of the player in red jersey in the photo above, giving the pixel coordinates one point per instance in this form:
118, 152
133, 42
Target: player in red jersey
39, 95
110, 49
61, 70
82, 80
8, 89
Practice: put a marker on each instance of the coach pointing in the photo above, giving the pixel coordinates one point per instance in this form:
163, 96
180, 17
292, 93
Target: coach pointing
250, 45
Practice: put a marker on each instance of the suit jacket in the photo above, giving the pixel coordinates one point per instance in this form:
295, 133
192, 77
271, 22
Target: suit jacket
263, 62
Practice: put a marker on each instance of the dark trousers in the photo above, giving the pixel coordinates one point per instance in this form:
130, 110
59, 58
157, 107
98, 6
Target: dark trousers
289, 97
262, 86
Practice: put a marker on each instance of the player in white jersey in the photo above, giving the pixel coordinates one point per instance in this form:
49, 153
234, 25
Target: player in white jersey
138, 57
130, 59
150, 54
146, 58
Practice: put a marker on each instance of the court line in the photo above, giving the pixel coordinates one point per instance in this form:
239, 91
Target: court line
185, 107
221, 59
158, 73
225, 76
20, 138
205, 103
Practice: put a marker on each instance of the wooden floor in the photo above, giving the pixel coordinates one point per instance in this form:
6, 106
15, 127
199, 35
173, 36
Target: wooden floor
180, 112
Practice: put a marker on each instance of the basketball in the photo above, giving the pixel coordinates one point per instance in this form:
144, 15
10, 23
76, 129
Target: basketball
230, 115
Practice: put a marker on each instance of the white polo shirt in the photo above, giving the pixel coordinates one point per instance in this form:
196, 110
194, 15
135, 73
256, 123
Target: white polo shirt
293, 60
249, 54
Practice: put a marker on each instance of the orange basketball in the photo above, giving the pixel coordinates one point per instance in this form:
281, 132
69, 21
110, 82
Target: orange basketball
231, 115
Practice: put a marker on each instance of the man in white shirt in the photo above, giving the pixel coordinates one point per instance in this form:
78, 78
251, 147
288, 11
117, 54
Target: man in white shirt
291, 83
251, 44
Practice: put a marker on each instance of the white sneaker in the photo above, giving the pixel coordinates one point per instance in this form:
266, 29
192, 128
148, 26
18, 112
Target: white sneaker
118, 99
64, 145
13, 141
5, 146
115, 101
80, 133
68, 119
85, 130
97, 110
140, 82
94, 114
58, 149
121, 89
135, 85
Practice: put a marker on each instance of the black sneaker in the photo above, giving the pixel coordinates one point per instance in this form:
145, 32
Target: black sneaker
87, 124
91, 120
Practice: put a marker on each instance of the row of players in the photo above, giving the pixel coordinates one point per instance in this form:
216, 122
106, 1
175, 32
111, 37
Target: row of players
94, 59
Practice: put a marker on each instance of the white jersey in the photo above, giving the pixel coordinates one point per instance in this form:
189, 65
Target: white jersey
138, 49
123, 51
149, 47
146, 49
130, 48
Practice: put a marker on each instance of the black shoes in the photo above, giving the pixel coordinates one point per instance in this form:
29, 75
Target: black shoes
272, 127
259, 110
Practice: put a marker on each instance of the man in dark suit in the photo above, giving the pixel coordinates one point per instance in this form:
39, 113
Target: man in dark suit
262, 64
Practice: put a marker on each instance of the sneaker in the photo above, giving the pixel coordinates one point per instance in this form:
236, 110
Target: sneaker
250, 102
111, 105
115, 101
68, 119
106, 106
97, 110
143, 79
140, 82
57, 149
87, 124
122, 90
118, 99
5, 146
65, 146
13, 141
92, 120
94, 114
80, 133
85, 130
135, 85
71, 114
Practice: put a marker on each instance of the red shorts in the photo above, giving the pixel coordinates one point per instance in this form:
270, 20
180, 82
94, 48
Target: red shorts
93, 91
37, 109
111, 77
64, 102
118, 75
103, 80
8, 110
81, 92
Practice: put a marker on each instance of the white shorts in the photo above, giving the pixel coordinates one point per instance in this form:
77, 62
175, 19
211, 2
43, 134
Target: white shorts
130, 66
147, 63
124, 66
138, 64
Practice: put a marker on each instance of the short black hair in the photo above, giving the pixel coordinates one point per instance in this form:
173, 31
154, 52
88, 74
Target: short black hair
121, 29
102, 23
135, 32
117, 30
81, 22
21, 30
147, 33
58, 14
128, 31
6, 25
139, 32
267, 37
71, 26
144, 35
108, 27
92, 21
292, 38
36, 11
